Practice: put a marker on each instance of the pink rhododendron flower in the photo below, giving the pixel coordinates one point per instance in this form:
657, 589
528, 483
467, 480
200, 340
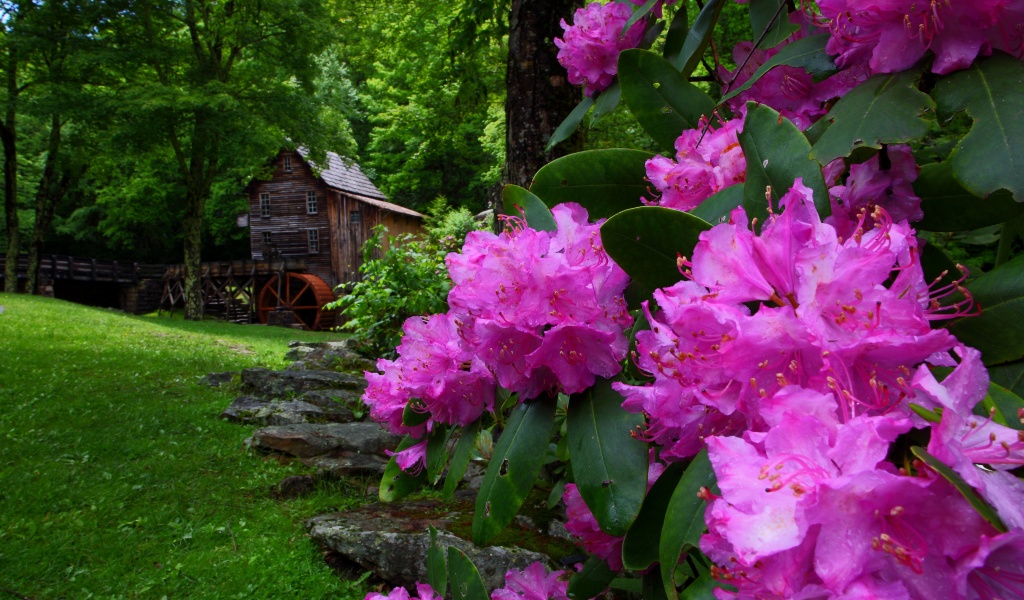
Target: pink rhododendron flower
995, 569
590, 47
704, 164
869, 185
400, 593
532, 583
892, 35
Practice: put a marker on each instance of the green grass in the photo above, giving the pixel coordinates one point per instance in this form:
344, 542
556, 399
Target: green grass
117, 479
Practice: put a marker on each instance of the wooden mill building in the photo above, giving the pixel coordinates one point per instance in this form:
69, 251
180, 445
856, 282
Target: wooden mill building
321, 214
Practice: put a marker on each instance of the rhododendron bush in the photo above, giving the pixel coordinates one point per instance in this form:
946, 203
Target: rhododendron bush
751, 372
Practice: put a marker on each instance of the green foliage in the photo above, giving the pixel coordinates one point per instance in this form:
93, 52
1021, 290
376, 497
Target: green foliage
118, 480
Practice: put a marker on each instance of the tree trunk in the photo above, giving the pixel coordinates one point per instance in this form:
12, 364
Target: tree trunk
51, 191
539, 94
202, 168
9, 139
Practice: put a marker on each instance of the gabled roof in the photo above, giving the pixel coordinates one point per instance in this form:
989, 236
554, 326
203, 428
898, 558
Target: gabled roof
345, 178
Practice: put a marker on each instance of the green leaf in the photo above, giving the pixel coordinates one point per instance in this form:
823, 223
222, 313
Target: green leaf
676, 35
610, 465
698, 38
702, 588
591, 581
514, 465
944, 200
396, 484
991, 156
460, 458
771, 18
885, 109
966, 490
640, 547
415, 413
776, 153
684, 519
437, 566
932, 416
808, 53
645, 242
654, 585
719, 204
537, 214
999, 330
638, 14
640, 323
661, 100
603, 181
606, 102
437, 452
466, 581
1007, 404
570, 124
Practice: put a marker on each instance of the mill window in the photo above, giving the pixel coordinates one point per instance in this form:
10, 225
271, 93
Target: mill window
265, 206
311, 203
287, 163
313, 237
354, 217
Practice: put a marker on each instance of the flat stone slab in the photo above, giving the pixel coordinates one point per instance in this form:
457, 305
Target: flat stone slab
217, 379
260, 411
332, 398
334, 467
391, 541
277, 384
306, 440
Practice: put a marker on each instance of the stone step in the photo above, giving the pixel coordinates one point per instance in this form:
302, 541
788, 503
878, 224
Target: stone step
306, 440
352, 465
260, 411
265, 383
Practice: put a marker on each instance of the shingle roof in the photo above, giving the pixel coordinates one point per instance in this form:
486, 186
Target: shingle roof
345, 178
388, 206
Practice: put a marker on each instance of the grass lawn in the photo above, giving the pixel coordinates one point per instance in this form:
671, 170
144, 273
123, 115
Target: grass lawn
117, 479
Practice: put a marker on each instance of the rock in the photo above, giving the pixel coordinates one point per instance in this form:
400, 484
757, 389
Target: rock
296, 486
335, 356
332, 398
306, 440
259, 411
299, 352
334, 467
217, 379
391, 540
276, 384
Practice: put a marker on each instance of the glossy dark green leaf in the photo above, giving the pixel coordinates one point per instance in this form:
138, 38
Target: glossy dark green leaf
603, 181
638, 13
646, 241
415, 413
684, 519
641, 545
519, 200
776, 153
437, 566
944, 200
770, 18
1009, 376
807, 53
676, 35
591, 581
437, 452
702, 588
885, 109
660, 98
606, 102
698, 38
999, 330
514, 465
396, 484
610, 465
1007, 404
570, 124
719, 204
466, 581
460, 458
991, 156
986, 511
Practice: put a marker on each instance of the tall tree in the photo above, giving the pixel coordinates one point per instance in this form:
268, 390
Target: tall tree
13, 13
220, 82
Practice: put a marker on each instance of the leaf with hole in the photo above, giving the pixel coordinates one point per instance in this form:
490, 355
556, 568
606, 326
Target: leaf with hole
465, 579
602, 181
517, 458
611, 464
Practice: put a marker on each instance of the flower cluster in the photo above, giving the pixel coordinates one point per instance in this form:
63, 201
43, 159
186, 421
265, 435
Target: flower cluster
590, 48
706, 161
892, 35
530, 310
869, 185
532, 583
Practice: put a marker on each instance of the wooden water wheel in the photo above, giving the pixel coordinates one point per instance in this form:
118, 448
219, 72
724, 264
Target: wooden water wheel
302, 294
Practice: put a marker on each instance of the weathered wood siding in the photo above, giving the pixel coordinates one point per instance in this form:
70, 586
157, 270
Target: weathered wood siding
289, 220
